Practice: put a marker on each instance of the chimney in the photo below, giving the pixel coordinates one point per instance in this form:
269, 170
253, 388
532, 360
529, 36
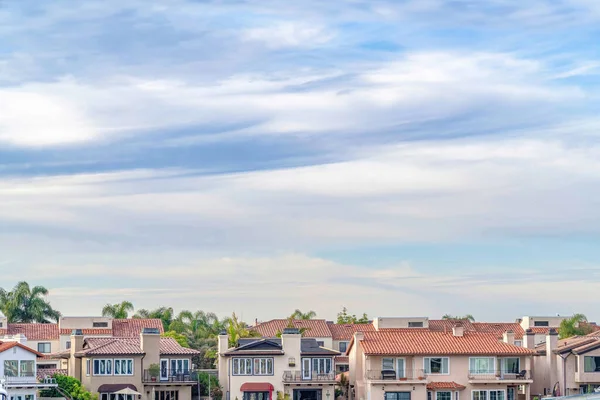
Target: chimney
223, 362
509, 337
291, 341
551, 343
529, 342
76, 346
150, 345
223, 344
458, 330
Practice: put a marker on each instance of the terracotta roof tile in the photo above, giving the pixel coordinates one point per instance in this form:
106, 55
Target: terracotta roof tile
346, 331
34, 331
133, 327
445, 385
316, 328
499, 328
407, 342
342, 359
92, 331
448, 324
130, 346
9, 345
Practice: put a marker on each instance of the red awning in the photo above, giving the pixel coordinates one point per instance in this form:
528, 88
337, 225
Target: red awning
256, 387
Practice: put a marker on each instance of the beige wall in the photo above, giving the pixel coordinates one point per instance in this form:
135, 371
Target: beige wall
92, 382
581, 377
82, 322
398, 322
529, 321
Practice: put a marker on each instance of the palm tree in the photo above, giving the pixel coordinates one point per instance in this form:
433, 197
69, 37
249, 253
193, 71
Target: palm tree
27, 304
467, 317
575, 326
117, 311
165, 314
237, 330
300, 315
291, 324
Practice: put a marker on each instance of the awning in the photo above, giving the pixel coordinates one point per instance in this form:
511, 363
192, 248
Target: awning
256, 387
115, 387
445, 386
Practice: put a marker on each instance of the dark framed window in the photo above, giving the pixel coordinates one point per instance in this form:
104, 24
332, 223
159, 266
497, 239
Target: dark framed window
100, 324
541, 323
256, 396
397, 396
343, 347
44, 347
415, 324
166, 395
443, 395
591, 364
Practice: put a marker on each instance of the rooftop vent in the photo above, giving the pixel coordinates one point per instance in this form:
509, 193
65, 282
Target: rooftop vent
150, 331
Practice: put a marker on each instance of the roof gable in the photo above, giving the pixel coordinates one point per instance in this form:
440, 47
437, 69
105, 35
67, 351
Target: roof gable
9, 345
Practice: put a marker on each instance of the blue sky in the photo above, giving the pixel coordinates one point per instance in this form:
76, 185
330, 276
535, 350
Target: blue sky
414, 157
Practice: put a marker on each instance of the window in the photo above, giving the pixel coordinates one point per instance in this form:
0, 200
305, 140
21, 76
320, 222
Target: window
482, 365
343, 347
436, 365
488, 395
414, 324
263, 366
114, 396
321, 365
591, 364
123, 366
11, 368
180, 366
100, 324
27, 368
541, 323
166, 395
479, 394
496, 395
242, 366
510, 365
256, 396
510, 393
397, 396
343, 367
429, 395
68, 344
443, 395
44, 347
102, 367
519, 343
388, 364
320, 343
87, 367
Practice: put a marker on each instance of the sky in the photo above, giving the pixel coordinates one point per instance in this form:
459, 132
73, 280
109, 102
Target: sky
395, 157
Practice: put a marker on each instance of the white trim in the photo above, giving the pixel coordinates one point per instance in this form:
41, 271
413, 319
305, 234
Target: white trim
443, 391
436, 373
487, 393
495, 365
403, 370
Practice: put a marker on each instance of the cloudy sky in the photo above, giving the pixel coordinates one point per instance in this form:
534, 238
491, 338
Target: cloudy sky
398, 157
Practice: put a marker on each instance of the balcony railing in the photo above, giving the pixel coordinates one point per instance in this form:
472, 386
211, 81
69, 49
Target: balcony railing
171, 375
498, 375
298, 376
392, 375
27, 379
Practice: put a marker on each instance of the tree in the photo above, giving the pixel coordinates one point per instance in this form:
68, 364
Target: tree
27, 304
467, 317
344, 385
344, 318
165, 314
291, 324
179, 337
575, 326
117, 311
70, 387
237, 330
300, 315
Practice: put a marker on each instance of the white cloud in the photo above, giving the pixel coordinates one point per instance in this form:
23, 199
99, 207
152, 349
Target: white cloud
289, 35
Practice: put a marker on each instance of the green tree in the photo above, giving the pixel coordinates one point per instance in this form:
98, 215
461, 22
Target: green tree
298, 314
344, 318
575, 326
237, 330
117, 311
467, 317
27, 304
179, 337
165, 314
70, 387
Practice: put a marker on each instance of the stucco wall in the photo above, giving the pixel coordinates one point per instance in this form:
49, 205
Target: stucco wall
92, 382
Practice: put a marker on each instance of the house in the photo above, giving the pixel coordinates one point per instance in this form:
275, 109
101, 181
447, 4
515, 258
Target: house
341, 335
568, 366
259, 368
158, 368
18, 366
396, 362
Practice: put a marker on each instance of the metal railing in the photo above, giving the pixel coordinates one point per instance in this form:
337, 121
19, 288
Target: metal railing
498, 375
298, 376
171, 375
392, 375
27, 379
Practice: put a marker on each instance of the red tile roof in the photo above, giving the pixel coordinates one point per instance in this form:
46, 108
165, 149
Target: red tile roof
34, 331
9, 345
342, 359
407, 342
92, 331
346, 331
316, 328
499, 328
445, 386
130, 346
133, 327
447, 324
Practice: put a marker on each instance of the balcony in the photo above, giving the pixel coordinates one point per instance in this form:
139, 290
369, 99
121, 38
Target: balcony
298, 376
389, 376
171, 376
27, 380
491, 377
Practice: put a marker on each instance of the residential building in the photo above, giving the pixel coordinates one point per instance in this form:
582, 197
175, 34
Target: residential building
341, 335
18, 366
258, 368
106, 365
396, 362
311, 328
